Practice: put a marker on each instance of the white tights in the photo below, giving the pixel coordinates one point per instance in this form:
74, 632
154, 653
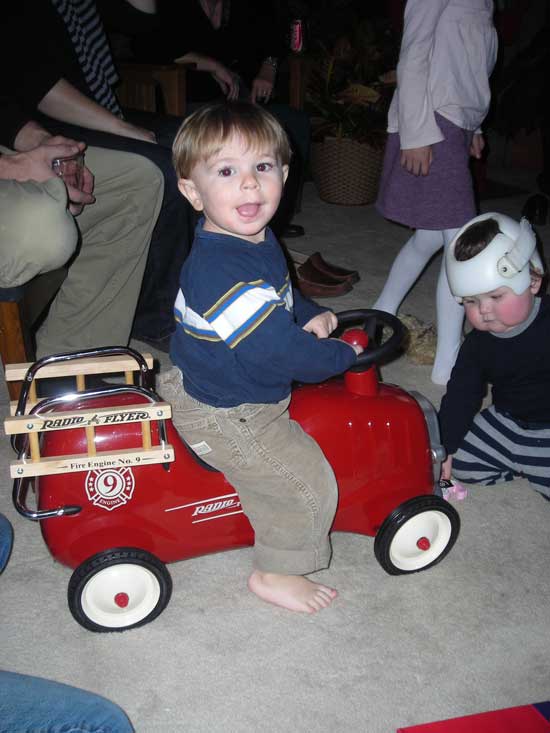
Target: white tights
408, 265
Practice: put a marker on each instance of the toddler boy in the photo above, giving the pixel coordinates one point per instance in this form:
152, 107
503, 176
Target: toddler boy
493, 267
243, 335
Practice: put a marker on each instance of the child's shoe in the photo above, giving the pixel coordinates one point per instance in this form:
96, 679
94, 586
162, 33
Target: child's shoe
452, 490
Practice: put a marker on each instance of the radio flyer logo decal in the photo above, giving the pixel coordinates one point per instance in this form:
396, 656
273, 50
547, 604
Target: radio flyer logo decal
110, 488
215, 507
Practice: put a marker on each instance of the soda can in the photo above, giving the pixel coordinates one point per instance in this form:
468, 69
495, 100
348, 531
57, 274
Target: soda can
296, 36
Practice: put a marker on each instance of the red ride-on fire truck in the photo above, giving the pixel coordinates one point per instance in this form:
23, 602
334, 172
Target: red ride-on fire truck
119, 494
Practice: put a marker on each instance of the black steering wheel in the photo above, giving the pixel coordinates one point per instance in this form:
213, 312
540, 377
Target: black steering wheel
368, 320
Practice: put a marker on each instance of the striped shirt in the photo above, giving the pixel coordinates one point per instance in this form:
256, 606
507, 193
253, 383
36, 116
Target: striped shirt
239, 336
91, 46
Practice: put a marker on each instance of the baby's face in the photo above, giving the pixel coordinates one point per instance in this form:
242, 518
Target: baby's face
499, 310
238, 189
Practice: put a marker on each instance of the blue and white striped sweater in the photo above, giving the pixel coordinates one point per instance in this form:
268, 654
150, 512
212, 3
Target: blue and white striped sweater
239, 335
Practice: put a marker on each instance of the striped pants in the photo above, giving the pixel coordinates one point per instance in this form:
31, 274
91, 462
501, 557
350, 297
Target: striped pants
497, 449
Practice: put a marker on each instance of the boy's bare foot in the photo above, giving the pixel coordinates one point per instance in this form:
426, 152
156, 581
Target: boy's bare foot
291, 591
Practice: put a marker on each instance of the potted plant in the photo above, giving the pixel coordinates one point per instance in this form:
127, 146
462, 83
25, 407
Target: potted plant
348, 96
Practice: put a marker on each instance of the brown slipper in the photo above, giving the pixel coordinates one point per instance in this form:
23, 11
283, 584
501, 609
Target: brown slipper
315, 284
339, 273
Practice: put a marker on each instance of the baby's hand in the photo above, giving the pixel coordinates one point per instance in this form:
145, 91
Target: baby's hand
446, 468
322, 325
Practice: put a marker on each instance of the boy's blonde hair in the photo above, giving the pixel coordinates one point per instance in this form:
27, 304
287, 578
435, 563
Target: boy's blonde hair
204, 132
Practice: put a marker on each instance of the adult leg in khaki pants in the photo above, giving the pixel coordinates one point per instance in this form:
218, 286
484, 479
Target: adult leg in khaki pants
95, 305
37, 232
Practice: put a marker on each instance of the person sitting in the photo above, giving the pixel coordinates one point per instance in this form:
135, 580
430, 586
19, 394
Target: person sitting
104, 230
243, 335
61, 69
495, 271
234, 48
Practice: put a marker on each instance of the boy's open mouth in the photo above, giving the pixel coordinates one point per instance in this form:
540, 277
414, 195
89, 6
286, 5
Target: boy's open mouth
248, 211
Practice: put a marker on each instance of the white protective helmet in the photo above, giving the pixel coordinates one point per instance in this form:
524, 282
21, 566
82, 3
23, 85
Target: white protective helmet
503, 262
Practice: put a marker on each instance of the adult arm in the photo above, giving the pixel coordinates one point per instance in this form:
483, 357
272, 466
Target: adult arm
258, 44
264, 81
226, 79
65, 103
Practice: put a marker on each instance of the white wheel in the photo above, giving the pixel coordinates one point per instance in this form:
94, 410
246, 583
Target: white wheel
120, 595
420, 541
119, 590
416, 535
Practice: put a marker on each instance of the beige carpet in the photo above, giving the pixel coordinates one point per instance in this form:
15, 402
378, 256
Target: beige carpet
471, 634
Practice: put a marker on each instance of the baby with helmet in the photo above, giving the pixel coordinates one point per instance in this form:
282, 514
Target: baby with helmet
495, 271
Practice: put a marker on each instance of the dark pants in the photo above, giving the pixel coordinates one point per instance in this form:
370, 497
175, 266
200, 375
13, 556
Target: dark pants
173, 232
297, 126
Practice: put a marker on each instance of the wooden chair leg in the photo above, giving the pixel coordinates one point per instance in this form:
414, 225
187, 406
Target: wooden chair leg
15, 340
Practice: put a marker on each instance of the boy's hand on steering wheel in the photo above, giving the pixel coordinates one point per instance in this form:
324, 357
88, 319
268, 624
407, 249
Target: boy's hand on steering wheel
322, 325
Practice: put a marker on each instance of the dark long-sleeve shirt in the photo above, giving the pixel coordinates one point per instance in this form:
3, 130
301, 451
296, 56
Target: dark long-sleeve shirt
517, 368
249, 33
239, 336
37, 51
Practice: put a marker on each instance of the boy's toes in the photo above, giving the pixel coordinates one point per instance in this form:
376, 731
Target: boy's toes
322, 598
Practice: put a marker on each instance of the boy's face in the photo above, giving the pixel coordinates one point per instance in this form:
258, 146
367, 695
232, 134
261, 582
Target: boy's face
238, 189
500, 310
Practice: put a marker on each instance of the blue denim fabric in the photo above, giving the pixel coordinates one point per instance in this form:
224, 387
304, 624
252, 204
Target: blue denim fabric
6, 541
34, 705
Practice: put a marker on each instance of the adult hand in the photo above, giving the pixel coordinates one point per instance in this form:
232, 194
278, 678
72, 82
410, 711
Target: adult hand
79, 198
417, 160
261, 90
262, 86
478, 143
36, 164
30, 136
227, 81
322, 325
446, 468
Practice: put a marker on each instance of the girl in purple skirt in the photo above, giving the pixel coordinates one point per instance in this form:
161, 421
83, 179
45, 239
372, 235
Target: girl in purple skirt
447, 54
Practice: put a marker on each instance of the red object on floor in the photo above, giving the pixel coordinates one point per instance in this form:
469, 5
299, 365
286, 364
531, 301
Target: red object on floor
523, 719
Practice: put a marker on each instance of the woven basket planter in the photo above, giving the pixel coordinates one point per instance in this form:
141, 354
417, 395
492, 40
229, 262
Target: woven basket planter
345, 171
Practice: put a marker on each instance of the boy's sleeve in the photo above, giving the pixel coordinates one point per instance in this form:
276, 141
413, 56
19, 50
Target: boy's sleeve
283, 351
304, 308
465, 392
253, 320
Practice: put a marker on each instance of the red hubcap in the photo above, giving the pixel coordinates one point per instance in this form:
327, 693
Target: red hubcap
122, 600
423, 544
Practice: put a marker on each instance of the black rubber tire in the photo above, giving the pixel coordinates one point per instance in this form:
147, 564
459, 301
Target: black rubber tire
119, 556
383, 543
